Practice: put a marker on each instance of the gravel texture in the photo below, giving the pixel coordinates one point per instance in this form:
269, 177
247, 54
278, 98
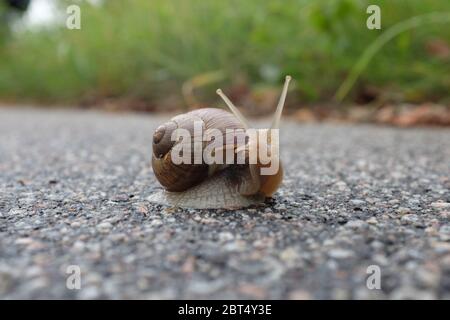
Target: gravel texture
73, 189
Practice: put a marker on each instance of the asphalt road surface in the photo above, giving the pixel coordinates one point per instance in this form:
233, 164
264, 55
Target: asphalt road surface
356, 200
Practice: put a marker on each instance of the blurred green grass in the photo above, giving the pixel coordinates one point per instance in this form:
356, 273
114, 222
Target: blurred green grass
145, 51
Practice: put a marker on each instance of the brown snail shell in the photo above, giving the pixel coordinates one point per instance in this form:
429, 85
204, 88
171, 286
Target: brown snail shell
184, 176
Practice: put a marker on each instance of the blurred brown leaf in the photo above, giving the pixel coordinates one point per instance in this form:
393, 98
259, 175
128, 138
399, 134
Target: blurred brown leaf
407, 116
438, 48
305, 115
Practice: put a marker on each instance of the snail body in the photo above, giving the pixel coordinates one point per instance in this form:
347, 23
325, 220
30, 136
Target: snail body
199, 184
215, 192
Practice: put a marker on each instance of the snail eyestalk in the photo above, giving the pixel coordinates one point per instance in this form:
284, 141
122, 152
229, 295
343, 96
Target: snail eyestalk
279, 110
233, 109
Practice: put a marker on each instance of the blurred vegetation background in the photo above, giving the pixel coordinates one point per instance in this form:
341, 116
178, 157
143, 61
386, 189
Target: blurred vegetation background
165, 55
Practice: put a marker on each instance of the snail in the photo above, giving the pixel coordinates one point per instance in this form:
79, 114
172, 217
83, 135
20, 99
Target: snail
199, 184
